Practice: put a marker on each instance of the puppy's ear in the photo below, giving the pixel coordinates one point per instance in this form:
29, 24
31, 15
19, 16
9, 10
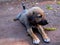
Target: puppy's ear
34, 13
30, 18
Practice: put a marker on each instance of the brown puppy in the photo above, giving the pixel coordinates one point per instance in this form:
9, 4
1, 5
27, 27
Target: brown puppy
34, 17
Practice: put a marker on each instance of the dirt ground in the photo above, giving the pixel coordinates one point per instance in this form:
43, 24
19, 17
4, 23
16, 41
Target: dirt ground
14, 33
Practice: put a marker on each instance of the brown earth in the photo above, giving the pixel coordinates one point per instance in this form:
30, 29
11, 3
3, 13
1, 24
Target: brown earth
14, 33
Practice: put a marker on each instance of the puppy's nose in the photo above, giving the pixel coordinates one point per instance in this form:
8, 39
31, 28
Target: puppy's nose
43, 22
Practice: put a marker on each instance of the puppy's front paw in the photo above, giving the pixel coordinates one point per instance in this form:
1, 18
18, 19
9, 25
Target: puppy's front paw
36, 41
47, 40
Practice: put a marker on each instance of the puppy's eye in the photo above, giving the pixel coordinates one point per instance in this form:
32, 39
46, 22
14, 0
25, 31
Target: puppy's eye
39, 16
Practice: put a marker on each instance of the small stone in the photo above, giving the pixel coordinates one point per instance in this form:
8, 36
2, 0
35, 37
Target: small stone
47, 13
7, 3
37, 3
55, 10
11, 8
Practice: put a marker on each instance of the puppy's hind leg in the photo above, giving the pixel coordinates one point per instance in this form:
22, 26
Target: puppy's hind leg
34, 37
17, 17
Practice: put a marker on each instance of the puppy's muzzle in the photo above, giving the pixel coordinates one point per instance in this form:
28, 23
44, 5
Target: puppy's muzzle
43, 22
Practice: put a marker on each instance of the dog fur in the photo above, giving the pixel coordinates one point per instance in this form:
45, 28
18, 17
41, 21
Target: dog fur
23, 18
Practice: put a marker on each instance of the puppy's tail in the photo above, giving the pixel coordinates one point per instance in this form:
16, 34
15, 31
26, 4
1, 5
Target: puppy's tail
23, 5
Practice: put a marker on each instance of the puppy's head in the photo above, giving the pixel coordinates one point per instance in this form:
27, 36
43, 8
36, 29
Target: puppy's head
36, 18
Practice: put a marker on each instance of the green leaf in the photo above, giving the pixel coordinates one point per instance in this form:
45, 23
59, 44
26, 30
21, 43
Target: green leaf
58, 3
49, 7
50, 29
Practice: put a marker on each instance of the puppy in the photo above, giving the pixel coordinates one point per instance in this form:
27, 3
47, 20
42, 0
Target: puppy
34, 17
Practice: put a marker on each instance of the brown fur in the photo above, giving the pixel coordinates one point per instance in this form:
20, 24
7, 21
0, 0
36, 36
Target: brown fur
33, 12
